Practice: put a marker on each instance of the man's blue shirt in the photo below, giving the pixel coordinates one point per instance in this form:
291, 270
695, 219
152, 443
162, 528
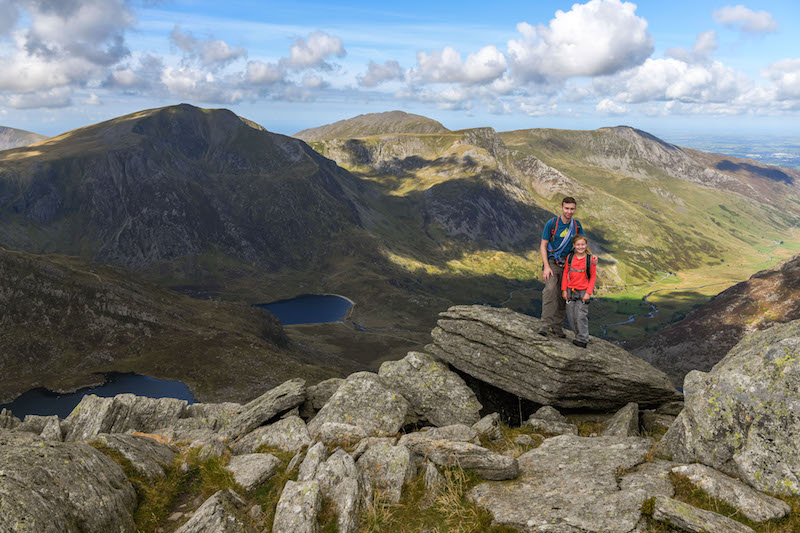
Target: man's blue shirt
561, 232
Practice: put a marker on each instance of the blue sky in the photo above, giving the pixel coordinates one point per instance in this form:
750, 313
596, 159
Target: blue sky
666, 67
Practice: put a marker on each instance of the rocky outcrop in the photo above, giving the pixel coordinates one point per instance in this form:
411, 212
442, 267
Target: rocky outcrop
388, 469
487, 464
62, 487
742, 418
149, 457
288, 434
95, 415
298, 508
285, 396
503, 348
624, 423
365, 401
437, 394
253, 469
221, 513
688, 518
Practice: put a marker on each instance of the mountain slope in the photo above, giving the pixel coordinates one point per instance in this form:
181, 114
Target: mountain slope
703, 338
372, 124
64, 319
12, 138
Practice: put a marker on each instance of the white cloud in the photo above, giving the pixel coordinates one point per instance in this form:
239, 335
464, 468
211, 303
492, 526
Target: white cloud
92, 99
785, 75
609, 107
210, 53
377, 74
312, 52
202, 86
314, 82
446, 66
8, 16
57, 97
144, 76
744, 19
261, 73
597, 38
704, 46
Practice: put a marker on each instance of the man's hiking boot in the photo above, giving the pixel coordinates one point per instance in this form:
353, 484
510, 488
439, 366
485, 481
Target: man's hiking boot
579, 343
560, 334
543, 332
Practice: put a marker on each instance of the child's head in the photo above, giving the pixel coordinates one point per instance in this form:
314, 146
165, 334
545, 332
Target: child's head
584, 244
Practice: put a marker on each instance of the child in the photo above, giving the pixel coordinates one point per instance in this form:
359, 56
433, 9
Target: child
578, 285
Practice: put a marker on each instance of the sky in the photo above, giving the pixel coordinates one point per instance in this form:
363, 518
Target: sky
672, 68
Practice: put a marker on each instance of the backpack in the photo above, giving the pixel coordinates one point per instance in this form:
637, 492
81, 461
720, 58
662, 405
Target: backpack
588, 268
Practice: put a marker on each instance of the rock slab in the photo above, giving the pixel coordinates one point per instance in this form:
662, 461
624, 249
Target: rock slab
298, 508
285, 396
253, 469
688, 518
221, 513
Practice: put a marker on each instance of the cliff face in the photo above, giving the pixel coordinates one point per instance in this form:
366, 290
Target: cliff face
703, 338
63, 319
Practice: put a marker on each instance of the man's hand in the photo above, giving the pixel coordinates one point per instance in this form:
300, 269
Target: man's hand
564, 294
547, 272
586, 297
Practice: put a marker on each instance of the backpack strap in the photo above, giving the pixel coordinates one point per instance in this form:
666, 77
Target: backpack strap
588, 266
553, 230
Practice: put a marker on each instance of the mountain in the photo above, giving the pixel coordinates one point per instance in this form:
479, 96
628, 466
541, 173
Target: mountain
12, 138
372, 124
708, 332
64, 319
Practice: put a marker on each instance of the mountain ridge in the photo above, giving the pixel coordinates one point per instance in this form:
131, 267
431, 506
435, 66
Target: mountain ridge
13, 138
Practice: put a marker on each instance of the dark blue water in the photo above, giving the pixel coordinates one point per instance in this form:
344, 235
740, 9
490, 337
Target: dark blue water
46, 402
309, 309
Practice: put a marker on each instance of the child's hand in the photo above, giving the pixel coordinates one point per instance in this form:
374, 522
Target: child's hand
564, 294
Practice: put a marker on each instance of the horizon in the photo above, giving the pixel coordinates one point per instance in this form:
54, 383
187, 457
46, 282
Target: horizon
699, 69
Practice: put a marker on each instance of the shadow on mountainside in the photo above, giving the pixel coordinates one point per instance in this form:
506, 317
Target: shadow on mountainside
773, 174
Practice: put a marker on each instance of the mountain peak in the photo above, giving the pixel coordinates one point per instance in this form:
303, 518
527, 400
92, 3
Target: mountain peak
14, 138
373, 124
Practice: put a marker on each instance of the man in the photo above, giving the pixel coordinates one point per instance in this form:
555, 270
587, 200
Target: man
556, 245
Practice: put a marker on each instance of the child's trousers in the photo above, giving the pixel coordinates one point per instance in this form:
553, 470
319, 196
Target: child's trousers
578, 315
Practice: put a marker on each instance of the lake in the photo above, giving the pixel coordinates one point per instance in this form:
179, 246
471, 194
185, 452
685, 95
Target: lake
309, 309
45, 402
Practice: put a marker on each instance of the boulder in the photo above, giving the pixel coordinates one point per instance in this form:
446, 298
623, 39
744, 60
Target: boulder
8, 420
688, 518
551, 427
548, 412
570, 481
388, 469
651, 478
434, 485
363, 400
149, 457
365, 444
55, 487
221, 513
489, 427
285, 396
287, 434
124, 412
624, 423
341, 482
337, 434
36, 423
436, 393
754, 505
503, 348
455, 432
655, 422
315, 456
485, 463
215, 416
318, 395
298, 508
743, 417
670, 408
253, 469
52, 430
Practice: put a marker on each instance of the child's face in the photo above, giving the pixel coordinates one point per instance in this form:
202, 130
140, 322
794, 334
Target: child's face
580, 246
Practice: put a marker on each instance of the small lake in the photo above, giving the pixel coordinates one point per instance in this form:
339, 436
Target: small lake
309, 309
46, 402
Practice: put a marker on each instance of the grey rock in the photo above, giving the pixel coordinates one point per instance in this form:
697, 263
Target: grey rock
624, 423
36, 423
253, 469
8, 420
489, 427
52, 430
655, 422
650, 478
524, 440
291, 413
455, 432
60, 487
341, 481
548, 412
318, 395
434, 485
287, 434
298, 508
216, 416
365, 444
388, 468
124, 412
315, 456
743, 417
551, 427
347, 499
670, 408
285, 396
503, 348
334, 470
221, 513
688, 518
338, 434
485, 463
570, 481
363, 400
148, 457
436, 393
296, 460
754, 505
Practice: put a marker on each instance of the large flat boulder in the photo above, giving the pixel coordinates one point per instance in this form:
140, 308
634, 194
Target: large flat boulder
364, 400
285, 396
221, 513
55, 487
436, 393
149, 457
502, 348
743, 417
485, 463
572, 481
287, 434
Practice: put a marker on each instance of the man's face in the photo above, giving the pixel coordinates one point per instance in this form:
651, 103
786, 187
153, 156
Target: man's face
567, 210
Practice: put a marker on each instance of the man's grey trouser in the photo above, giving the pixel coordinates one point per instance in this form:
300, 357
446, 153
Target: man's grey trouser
578, 315
553, 305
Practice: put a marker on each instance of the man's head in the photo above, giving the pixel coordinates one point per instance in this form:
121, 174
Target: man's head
568, 205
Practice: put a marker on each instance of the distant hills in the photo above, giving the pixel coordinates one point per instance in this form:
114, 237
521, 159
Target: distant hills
12, 138
372, 124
